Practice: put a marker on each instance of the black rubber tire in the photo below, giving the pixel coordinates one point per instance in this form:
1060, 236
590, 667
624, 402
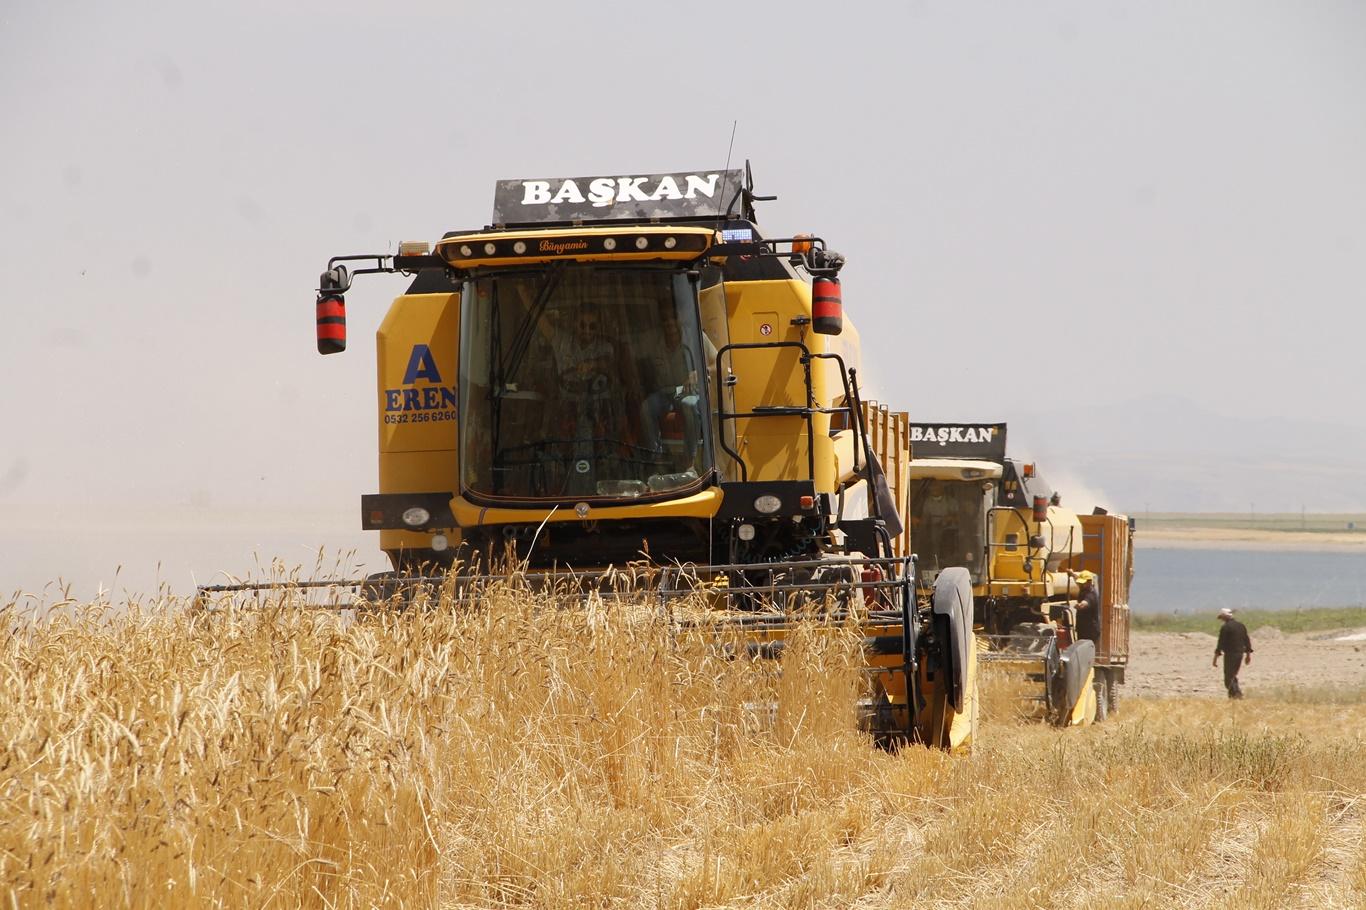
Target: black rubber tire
1112, 695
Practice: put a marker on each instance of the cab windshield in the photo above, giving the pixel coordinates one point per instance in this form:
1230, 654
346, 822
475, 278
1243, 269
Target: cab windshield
947, 526
582, 381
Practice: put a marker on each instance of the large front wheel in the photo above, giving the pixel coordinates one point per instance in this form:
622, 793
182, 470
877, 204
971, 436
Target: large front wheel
949, 682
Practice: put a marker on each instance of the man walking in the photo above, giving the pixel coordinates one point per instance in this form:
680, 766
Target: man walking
1236, 647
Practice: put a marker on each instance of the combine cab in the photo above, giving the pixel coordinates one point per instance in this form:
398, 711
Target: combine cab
621, 385
972, 506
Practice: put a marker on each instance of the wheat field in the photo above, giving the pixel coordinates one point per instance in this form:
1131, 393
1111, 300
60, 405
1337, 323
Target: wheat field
517, 754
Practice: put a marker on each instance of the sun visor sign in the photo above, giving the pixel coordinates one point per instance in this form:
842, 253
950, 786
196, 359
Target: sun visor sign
544, 200
985, 441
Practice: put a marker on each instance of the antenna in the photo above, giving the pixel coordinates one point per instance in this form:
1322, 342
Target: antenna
725, 172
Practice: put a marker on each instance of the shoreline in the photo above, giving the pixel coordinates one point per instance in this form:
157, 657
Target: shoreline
1248, 539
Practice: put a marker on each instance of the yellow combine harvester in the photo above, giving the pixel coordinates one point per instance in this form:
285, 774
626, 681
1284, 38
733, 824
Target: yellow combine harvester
623, 373
1025, 553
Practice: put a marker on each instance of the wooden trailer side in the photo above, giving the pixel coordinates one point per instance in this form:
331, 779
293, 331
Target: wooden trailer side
889, 433
1108, 551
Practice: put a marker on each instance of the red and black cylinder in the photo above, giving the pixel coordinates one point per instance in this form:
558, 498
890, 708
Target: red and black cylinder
827, 306
1040, 508
331, 323
873, 593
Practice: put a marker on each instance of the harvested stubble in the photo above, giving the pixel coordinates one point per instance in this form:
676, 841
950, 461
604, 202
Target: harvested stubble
522, 755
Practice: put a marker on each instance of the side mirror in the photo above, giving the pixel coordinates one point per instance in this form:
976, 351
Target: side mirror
331, 310
827, 306
331, 323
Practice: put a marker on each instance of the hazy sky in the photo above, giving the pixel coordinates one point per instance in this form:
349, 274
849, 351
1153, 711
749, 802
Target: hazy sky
1046, 206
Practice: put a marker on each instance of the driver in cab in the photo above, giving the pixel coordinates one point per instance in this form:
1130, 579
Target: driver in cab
585, 358
940, 517
595, 383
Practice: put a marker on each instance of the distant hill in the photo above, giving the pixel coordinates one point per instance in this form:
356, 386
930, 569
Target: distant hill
1166, 453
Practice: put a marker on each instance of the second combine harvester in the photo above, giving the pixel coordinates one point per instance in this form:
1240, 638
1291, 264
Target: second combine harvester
623, 372
1027, 555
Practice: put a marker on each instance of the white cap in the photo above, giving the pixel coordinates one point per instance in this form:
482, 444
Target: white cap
1225, 613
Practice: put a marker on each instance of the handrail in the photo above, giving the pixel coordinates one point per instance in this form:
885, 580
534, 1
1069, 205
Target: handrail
723, 415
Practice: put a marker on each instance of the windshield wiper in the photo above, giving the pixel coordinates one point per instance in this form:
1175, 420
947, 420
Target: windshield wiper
521, 342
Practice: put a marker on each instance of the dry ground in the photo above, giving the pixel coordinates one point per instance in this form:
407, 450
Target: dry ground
1171, 664
521, 756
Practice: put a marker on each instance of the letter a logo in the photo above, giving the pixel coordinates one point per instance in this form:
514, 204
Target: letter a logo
422, 365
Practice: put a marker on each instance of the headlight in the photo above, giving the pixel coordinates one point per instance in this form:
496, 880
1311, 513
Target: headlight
745, 532
440, 543
416, 517
767, 504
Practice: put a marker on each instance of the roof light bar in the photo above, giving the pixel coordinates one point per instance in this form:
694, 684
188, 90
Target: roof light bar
471, 251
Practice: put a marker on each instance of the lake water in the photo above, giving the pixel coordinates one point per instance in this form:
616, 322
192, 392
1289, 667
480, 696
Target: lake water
1186, 581
184, 546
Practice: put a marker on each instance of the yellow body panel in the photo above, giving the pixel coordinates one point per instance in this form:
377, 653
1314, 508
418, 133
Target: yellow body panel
1062, 535
418, 346
939, 724
962, 726
416, 472
417, 443
1084, 711
699, 505
774, 448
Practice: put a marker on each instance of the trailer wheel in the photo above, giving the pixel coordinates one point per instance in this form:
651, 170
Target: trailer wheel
1112, 693
1102, 687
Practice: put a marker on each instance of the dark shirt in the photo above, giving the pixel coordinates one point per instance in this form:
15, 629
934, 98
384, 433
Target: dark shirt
1233, 638
1088, 614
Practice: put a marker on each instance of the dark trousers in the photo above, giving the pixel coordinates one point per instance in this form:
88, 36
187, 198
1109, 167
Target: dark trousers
1233, 662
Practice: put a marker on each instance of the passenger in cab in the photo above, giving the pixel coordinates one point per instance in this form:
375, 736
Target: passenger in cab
673, 376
